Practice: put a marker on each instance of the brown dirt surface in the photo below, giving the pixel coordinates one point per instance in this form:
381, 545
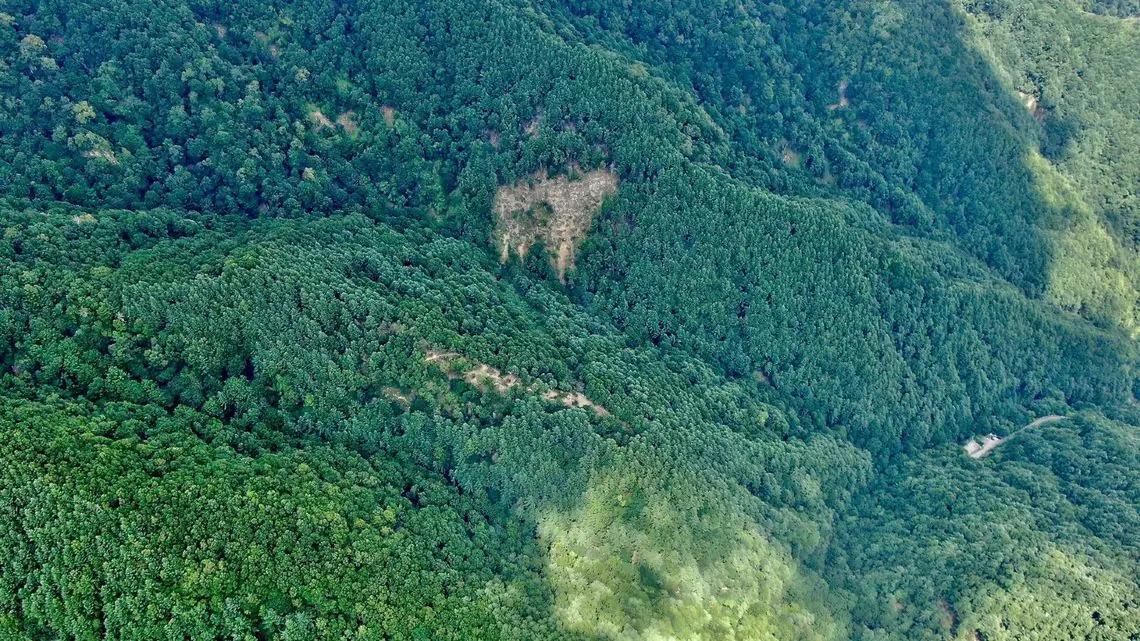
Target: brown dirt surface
398, 395
843, 101
485, 377
347, 120
532, 126
320, 119
1032, 104
575, 399
557, 212
102, 154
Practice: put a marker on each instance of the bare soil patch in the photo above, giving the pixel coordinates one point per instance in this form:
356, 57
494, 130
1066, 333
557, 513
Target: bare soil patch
789, 155
485, 377
532, 126
347, 120
1032, 104
320, 119
398, 395
555, 211
843, 101
575, 399
102, 154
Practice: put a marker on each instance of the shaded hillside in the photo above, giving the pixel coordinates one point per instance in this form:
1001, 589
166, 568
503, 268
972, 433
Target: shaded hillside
514, 319
231, 99
247, 346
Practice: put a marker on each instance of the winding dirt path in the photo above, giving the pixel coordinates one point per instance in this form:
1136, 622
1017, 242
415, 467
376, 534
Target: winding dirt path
1044, 420
991, 442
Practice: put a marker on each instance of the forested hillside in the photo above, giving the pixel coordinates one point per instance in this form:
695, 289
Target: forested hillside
529, 319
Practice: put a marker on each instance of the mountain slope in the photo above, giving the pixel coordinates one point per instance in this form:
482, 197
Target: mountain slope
528, 319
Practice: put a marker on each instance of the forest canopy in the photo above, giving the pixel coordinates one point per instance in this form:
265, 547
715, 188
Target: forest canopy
531, 319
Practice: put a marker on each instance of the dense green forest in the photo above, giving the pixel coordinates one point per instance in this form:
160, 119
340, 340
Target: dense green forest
530, 319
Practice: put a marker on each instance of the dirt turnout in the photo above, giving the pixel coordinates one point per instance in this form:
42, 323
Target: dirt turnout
555, 211
991, 442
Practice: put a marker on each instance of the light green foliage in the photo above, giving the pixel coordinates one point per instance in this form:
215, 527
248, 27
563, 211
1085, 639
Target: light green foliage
641, 559
217, 331
133, 523
1084, 108
1035, 542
